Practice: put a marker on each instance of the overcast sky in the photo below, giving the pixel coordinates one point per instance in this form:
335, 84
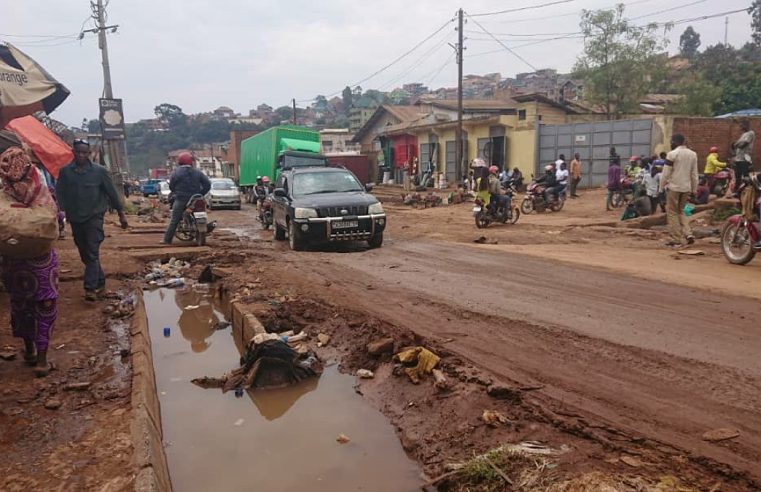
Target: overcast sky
201, 54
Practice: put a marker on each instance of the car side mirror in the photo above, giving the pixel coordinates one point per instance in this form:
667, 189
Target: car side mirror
369, 187
280, 193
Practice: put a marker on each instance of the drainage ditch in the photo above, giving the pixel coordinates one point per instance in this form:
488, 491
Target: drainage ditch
282, 439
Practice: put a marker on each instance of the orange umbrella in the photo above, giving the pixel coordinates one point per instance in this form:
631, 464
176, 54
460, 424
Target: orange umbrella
49, 148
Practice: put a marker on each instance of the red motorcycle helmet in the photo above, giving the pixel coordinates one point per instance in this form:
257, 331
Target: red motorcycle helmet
185, 159
265, 179
493, 169
714, 149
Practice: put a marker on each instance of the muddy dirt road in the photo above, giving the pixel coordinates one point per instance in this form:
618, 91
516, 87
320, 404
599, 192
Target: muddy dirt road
655, 360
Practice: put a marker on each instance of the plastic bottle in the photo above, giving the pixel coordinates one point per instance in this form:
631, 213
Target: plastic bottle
167, 332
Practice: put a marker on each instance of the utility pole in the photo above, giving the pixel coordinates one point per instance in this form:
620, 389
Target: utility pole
115, 148
726, 29
294, 112
459, 164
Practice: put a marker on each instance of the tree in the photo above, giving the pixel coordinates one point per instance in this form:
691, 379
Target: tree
170, 114
700, 97
347, 97
755, 22
620, 61
285, 113
716, 61
689, 42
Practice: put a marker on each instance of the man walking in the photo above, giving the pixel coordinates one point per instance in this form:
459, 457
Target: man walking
85, 191
680, 175
185, 182
575, 174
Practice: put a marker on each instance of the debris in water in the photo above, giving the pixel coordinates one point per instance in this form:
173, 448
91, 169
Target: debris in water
238, 422
238, 392
365, 373
222, 325
494, 418
421, 360
192, 307
722, 434
343, 439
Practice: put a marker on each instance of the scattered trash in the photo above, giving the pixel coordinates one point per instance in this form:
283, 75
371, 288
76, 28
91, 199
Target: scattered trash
381, 346
722, 434
167, 332
238, 422
192, 307
423, 359
7, 355
440, 381
268, 363
53, 404
501, 392
322, 339
222, 325
365, 373
480, 240
77, 386
494, 418
59, 347
173, 283
172, 268
238, 392
691, 252
343, 439
631, 461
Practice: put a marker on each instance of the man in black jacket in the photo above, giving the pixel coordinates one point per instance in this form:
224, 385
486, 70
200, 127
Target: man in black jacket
185, 182
85, 191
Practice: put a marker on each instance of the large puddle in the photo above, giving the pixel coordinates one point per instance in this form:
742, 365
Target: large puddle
271, 440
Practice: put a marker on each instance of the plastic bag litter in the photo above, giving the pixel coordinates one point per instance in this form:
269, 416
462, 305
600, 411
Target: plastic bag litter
424, 361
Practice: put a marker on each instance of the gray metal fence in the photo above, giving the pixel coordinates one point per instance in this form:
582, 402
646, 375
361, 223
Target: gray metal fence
593, 142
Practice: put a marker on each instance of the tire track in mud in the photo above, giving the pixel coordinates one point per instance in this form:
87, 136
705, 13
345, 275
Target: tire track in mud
648, 381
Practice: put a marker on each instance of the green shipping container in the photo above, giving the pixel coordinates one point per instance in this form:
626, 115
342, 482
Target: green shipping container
259, 154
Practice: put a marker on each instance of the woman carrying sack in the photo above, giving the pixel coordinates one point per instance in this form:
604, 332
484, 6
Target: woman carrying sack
32, 283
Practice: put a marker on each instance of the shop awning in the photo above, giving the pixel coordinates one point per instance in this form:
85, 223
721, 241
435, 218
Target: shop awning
47, 146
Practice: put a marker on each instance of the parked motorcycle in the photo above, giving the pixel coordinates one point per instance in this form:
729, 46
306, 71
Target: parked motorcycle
194, 226
740, 233
265, 213
535, 201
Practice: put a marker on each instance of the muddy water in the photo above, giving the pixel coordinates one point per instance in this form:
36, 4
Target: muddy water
276, 440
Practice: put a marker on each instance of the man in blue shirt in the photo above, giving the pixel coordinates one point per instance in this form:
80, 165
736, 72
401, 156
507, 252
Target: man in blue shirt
85, 191
185, 182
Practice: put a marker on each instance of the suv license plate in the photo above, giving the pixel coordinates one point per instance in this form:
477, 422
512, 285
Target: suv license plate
345, 224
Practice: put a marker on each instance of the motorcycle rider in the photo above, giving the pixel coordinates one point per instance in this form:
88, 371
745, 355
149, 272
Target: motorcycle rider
259, 191
185, 182
549, 181
713, 164
498, 198
269, 187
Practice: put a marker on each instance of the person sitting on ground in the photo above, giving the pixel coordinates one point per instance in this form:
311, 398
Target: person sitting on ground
703, 192
639, 207
32, 284
185, 182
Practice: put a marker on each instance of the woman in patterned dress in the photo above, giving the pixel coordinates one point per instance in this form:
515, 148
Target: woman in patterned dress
32, 284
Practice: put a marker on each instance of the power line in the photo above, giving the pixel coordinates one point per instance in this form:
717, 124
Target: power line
570, 14
666, 10
503, 44
531, 7
416, 63
425, 80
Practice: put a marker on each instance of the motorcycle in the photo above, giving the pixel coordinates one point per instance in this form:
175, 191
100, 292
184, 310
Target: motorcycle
486, 214
194, 225
535, 201
265, 213
624, 195
740, 234
719, 182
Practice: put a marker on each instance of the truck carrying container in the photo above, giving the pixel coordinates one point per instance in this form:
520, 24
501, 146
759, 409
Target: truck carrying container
279, 147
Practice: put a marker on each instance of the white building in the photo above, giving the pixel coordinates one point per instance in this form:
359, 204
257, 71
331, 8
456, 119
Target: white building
337, 140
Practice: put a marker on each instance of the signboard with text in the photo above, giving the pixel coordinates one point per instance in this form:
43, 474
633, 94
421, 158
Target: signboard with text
112, 118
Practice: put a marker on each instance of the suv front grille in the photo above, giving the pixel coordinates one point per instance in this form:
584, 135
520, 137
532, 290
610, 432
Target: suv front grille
336, 211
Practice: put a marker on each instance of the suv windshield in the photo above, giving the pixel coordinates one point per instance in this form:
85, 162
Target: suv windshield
325, 182
222, 185
302, 161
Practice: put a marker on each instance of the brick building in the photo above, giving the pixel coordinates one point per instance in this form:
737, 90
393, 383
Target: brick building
704, 133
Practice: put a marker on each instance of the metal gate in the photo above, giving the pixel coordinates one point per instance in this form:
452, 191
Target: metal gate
593, 142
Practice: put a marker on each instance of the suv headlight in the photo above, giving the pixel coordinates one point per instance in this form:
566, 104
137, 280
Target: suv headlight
305, 213
375, 209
